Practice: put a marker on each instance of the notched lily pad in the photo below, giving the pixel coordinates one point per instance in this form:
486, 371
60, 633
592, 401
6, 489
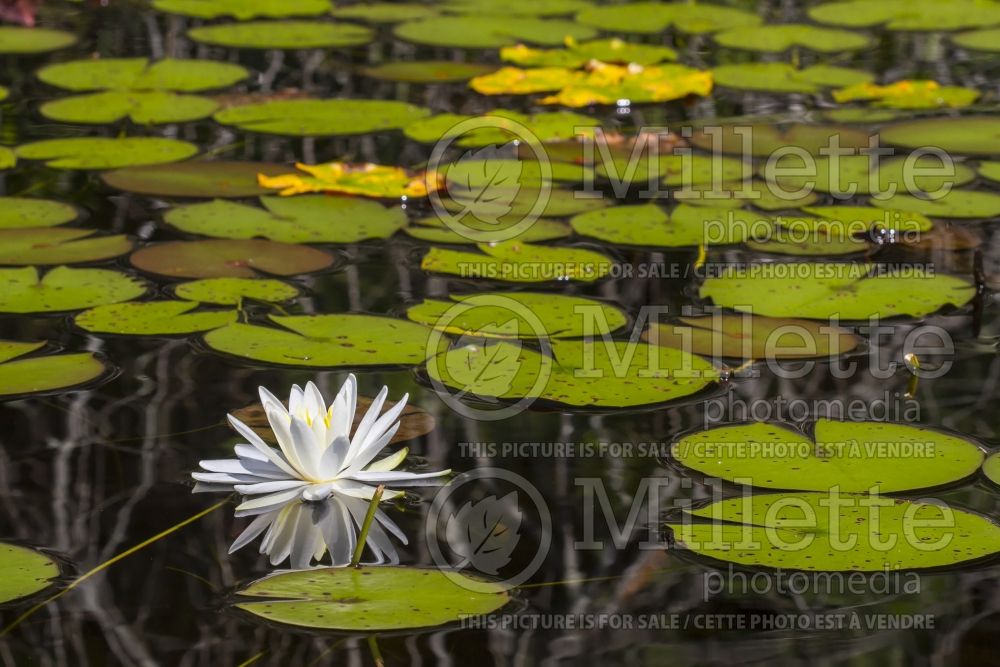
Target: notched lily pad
230, 259
648, 225
241, 10
21, 40
655, 17
64, 289
141, 107
152, 318
491, 32
106, 153
59, 245
967, 204
433, 229
134, 74
321, 117
778, 38
282, 35
967, 135
198, 178
385, 12
25, 571
514, 261
29, 213
233, 291
785, 78
42, 373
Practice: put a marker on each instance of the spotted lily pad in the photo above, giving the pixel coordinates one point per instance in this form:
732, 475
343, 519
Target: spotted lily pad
58, 245
321, 117
953, 204
763, 140
17, 39
756, 193
863, 457
42, 373
106, 153
24, 213
580, 373
435, 230
745, 336
578, 54
198, 178
505, 126
784, 78
979, 40
518, 203
916, 173
514, 261
909, 95
230, 259
141, 107
132, 74
64, 289
968, 135
517, 7
233, 291
929, 15
826, 290
326, 341
152, 318
282, 35
371, 598
778, 38
518, 315
655, 17
849, 532
817, 243
989, 170
385, 12
304, 219
427, 71
680, 170
490, 32
991, 468
25, 571
241, 10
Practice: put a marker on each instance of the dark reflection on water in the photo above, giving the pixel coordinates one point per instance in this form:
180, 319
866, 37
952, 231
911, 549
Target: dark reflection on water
89, 474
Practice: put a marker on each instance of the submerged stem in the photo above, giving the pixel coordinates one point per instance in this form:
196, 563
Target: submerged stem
369, 517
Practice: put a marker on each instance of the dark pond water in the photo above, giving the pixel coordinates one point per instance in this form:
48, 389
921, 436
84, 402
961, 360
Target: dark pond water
87, 474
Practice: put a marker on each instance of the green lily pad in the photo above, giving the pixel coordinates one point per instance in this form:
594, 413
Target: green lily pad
778, 38
25, 571
810, 244
24, 213
514, 261
491, 32
676, 169
979, 40
763, 140
581, 374
823, 290
16, 39
64, 289
4, 93
232, 291
863, 457
303, 219
326, 341
241, 10
969, 204
198, 178
745, 336
756, 193
371, 598
550, 126
518, 315
655, 17
917, 15
517, 203
899, 174
282, 35
853, 219
385, 12
784, 78
132, 74
481, 176
967, 135
852, 532
105, 153
863, 115
152, 318
989, 170
517, 7
427, 71
8, 158
142, 108
58, 245
229, 259
434, 230
991, 468
576, 55
321, 117
43, 373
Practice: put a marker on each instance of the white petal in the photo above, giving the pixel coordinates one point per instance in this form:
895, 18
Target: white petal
315, 492
217, 478
238, 467
342, 410
354, 489
306, 448
256, 527
388, 523
364, 456
390, 462
267, 399
393, 477
260, 445
338, 532
361, 433
295, 401
281, 426
273, 501
269, 487
314, 401
332, 460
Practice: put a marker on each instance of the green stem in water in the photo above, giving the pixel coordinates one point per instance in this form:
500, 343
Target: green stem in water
369, 517
376, 654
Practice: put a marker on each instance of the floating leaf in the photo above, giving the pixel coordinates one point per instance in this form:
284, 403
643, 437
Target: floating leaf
517, 7
152, 318
142, 108
848, 532
371, 598
368, 180
979, 40
953, 204
232, 291
818, 243
510, 208
326, 341
490, 32
863, 457
989, 170
195, 179
577, 54
64, 289
930, 15
778, 38
43, 373
763, 140
307, 219
321, 117
582, 374
968, 135
915, 173
648, 225
241, 10
62, 245
8, 158
991, 468
24, 213
825, 290
435, 230
385, 12
3, 93
655, 17
849, 221
503, 127
862, 115
684, 170
230, 259
784, 78
745, 336
426, 71
105, 153
132, 74
514, 261
909, 95
282, 35
758, 194
16, 39
518, 315
25, 571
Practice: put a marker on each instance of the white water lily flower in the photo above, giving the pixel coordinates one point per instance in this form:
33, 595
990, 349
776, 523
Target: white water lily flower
318, 459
